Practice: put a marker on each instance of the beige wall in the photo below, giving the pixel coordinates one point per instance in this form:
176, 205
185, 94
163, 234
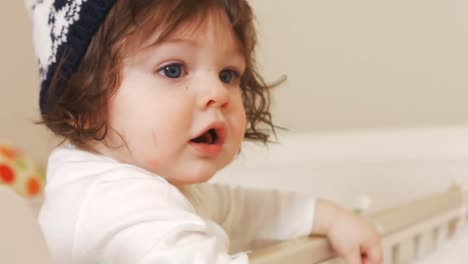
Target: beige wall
19, 78
351, 64
366, 63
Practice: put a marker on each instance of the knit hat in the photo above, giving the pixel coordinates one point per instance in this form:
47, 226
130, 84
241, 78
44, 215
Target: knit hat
62, 32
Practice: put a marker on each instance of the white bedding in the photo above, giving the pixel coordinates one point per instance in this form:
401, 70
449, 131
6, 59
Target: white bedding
453, 251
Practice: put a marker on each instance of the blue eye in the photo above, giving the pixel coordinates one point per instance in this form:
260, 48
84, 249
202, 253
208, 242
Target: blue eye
172, 71
228, 76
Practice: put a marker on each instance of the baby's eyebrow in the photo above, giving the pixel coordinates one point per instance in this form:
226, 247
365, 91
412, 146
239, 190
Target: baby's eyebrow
173, 41
190, 43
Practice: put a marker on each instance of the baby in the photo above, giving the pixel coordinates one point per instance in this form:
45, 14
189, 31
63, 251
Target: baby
154, 97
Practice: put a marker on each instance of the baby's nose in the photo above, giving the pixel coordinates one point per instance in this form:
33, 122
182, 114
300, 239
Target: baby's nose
214, 94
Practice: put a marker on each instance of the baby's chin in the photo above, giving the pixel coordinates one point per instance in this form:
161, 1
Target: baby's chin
188, 172
194, 176
190, 180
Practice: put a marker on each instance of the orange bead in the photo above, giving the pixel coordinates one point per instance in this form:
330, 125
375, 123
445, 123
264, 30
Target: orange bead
33, 187
8, 152
7, 175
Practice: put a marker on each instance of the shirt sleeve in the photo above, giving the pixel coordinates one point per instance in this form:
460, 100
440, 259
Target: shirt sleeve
254, 217
146, 220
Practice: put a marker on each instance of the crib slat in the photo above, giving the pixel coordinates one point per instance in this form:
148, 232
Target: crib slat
440, 233
454, 226
403, 253
443, 233
425, 245
388, 253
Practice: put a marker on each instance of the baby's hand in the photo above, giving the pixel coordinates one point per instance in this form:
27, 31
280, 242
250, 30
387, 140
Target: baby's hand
352, 238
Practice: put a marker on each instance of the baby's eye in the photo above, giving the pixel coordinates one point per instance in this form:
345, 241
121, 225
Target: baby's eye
228, 76
172, 71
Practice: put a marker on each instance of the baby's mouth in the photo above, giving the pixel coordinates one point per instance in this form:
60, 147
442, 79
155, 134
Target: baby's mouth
214, 134
209, 143
210, 137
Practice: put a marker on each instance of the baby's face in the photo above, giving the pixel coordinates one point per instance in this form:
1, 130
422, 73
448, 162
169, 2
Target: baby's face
179, 106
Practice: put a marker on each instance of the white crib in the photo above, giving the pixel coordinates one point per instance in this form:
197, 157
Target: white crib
409, 232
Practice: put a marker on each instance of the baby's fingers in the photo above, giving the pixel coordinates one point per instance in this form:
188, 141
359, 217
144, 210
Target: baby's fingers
372, 255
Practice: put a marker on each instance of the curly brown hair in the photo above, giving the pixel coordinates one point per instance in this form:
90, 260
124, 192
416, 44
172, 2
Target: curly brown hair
76, 112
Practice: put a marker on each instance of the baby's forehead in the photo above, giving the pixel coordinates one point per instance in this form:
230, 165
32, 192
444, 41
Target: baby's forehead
212, 26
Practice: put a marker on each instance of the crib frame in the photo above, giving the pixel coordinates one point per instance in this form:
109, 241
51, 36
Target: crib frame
409, 232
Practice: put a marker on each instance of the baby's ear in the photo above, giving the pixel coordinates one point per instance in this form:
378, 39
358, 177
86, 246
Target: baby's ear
79, 122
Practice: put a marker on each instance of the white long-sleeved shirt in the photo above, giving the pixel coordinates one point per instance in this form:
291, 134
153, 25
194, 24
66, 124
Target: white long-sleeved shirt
100, 211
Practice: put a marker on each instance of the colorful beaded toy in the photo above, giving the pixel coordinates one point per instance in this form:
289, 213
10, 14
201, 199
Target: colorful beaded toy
20, 172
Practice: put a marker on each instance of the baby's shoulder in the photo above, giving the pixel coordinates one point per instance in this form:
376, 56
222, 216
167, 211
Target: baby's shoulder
132, 184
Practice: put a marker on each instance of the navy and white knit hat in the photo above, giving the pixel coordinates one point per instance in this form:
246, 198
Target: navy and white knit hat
63, 28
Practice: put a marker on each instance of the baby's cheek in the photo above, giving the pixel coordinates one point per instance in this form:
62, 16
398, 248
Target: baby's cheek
152, 162
152, 165
242, 124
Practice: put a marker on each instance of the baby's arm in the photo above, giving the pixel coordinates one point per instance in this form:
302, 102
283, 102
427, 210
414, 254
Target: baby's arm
250, 216
254, 217
353, 238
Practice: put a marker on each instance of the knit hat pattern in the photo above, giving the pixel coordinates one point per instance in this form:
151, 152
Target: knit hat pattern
62, 32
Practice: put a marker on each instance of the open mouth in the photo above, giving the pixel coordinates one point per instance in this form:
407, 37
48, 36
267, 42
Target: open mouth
210, 137
209, 143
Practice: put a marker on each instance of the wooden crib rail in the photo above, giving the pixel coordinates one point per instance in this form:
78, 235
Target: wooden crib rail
408, 232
